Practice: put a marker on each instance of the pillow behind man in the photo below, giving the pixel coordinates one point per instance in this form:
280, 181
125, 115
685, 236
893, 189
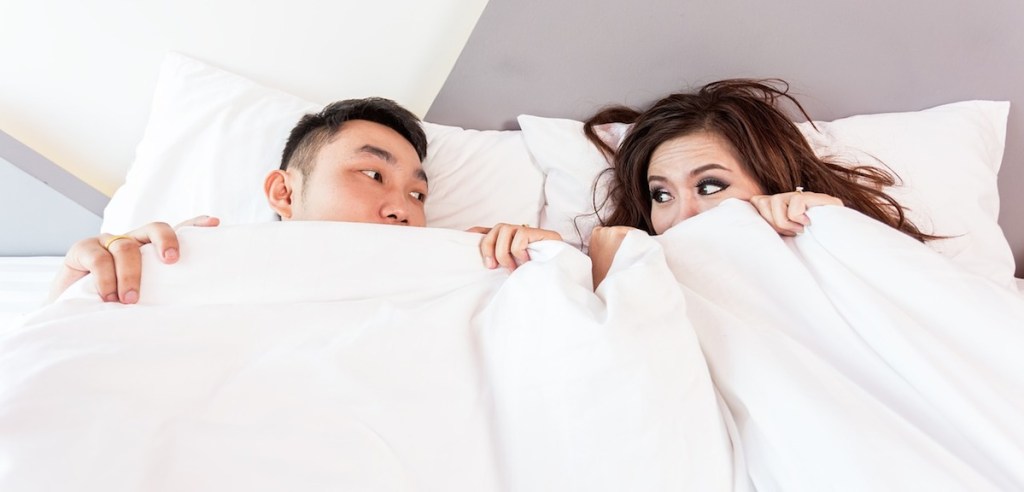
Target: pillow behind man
212, 137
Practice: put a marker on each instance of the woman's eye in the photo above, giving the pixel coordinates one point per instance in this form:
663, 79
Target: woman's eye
373, 175
417, 195
660, 196
710, 187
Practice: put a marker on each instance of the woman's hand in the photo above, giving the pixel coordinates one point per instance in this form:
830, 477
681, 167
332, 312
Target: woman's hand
505, 244
116, 262
785, 212
604, 243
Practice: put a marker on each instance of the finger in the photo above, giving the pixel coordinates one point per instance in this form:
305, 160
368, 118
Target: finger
89, 256
796, 209
65, 277
127, 268
503, 247
781, 222
163, 237
521, 239
479, 230
487, 247
199, 221
819, 199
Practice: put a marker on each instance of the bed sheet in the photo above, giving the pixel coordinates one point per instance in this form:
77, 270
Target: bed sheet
24, 284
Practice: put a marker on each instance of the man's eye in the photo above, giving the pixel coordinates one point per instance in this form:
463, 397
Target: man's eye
419, 196
710, 187
373, 175
660, 196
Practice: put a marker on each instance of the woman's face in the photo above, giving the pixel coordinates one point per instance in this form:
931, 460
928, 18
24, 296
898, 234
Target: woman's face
692, 174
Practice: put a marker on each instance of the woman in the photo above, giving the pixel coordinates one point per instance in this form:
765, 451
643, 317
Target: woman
688, 152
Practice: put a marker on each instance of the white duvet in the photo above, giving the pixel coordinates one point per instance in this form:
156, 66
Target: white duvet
319, 356
316, 356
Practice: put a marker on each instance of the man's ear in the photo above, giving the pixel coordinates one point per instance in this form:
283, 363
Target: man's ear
279, 187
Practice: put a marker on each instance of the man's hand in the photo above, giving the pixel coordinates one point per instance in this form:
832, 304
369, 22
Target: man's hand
116, 262
505, 244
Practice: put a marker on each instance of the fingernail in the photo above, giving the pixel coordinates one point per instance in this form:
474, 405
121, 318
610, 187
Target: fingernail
112, 297
131, 297
489, 262
171, 254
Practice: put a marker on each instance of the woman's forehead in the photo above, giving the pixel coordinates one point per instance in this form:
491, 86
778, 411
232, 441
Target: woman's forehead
692, 150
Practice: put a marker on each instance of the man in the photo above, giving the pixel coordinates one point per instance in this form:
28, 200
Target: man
358, 160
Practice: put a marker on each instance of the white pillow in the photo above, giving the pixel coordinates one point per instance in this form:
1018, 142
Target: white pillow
947, 157
213, 136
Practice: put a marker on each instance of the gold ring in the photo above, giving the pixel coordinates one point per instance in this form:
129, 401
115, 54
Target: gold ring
526, 226
111, 240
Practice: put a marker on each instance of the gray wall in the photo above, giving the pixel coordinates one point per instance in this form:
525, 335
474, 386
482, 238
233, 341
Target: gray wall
567, 58
45, 209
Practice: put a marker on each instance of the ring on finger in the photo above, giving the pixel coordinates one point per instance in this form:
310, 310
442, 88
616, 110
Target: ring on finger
112, 240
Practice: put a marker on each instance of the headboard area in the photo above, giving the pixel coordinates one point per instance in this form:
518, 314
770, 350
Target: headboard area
569, 58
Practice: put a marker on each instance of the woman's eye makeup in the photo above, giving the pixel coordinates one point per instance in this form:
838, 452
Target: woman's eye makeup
373, 175
660, 195
710, 186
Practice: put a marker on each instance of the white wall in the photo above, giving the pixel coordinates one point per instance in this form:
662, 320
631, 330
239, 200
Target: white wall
76, 77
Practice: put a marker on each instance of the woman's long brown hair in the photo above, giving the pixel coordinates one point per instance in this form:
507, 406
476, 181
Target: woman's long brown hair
767, 144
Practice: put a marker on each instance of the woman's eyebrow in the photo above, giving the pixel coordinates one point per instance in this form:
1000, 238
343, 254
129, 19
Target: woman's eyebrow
708, 167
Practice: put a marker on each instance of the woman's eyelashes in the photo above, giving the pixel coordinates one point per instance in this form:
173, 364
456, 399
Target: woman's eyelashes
710, 186
660, 195
704, 187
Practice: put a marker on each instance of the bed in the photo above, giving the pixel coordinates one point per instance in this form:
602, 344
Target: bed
688, 369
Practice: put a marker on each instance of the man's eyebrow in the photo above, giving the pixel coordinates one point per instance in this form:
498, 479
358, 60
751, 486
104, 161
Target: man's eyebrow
389, 158
377, 152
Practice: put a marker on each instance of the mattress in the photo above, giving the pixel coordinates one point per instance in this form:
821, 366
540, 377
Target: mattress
24, 284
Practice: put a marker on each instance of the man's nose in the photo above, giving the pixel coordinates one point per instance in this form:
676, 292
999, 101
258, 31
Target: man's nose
395, 209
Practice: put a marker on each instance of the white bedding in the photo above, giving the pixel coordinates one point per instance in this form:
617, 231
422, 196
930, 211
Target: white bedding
24, 284
322, 356
853, 357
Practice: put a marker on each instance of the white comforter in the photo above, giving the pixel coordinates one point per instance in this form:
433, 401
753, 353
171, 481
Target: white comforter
853, 357
359, 357
324, 356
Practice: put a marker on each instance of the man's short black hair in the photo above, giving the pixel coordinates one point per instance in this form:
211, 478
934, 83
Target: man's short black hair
314, 131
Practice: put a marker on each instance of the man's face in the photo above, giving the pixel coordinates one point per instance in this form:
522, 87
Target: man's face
366, 173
